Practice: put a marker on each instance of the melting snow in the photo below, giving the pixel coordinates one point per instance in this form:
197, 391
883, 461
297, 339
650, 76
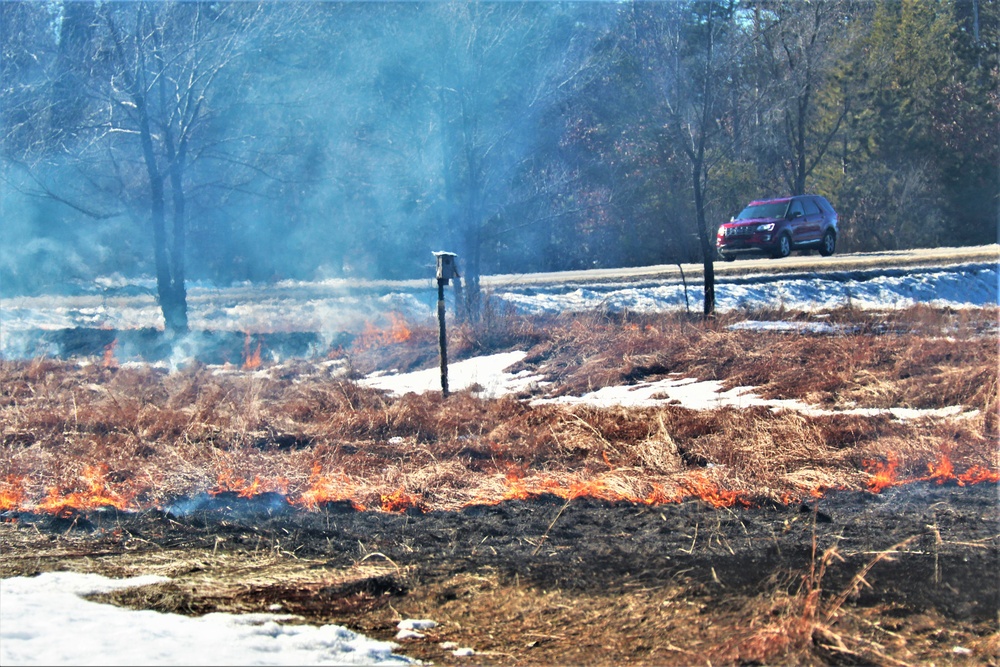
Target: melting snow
960, 286
709, 394
324, 307
45, 621
485, 374
410, 628
489, 373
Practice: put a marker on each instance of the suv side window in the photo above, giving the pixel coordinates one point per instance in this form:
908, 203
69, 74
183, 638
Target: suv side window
825, 206
795, 208
810, 206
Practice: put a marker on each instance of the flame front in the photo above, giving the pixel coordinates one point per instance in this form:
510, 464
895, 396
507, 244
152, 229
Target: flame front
372, 337
109, 360
698, 485
95, 491
251, 357
695, 485
941, 471
12, 494
978, 475
883, 475
327, 489
97, 494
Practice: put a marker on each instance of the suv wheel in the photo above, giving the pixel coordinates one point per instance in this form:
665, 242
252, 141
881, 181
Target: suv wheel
784, 248
829, 243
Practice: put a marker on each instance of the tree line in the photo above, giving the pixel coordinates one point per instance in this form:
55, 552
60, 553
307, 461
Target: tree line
258, 141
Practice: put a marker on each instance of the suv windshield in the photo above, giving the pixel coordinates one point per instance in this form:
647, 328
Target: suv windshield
760, 211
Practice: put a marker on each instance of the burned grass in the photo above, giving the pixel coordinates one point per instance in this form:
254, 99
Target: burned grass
542, 533
897, 577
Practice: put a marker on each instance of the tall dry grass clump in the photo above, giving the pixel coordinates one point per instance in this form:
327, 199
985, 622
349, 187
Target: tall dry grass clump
805, 623
497, 327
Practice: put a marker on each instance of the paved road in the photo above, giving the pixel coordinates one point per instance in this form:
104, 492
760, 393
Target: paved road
796, 263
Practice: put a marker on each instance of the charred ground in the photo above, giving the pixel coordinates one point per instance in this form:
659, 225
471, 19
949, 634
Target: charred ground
582, 582
806, 564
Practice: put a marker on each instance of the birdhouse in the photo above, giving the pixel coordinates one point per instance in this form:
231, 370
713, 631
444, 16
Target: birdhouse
447, 267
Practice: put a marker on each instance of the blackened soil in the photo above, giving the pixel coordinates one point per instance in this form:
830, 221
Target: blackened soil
924, 551
209, 347
927, 546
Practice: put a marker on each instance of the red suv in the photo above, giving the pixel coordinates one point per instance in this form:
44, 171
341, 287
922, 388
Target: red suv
778, 226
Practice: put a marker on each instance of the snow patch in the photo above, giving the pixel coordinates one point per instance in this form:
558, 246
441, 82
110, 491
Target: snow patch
45, 621
486, 374
959, 287
489, 372
710, 395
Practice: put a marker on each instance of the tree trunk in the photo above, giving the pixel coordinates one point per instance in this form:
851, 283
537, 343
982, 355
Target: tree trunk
473, 269
707, 252
169, 286
178, 294
172, 304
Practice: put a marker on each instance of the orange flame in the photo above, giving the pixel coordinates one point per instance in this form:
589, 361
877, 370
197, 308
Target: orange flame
12, 493
659, 496
97, 494
251, 359
591, 488
978, 475
109, 360
95, 491
883, 475
697, 485
399, 332
941, 471
787, 498
228, 483
700, 486
373, 337
400, 501
327, 489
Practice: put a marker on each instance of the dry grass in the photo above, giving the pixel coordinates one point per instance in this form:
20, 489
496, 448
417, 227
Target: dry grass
922, 361
150, 436
161, 435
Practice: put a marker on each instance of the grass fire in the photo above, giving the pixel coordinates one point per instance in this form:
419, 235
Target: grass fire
844, 530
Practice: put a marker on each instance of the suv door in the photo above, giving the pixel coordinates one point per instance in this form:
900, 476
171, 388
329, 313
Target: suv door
797, 225
813, 225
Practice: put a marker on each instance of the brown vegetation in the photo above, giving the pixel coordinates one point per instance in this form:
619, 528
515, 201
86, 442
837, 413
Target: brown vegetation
137, 437
161, 435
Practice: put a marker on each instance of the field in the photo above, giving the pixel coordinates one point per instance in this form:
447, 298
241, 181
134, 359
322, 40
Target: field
541, 532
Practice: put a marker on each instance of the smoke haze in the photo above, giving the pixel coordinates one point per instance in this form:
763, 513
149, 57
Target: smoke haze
349, 140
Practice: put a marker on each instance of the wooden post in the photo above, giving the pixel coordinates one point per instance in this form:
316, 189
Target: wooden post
442, 338
446, 270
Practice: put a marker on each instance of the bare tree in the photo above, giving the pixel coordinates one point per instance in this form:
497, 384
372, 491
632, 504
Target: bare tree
133, 97
803, 42
688, 54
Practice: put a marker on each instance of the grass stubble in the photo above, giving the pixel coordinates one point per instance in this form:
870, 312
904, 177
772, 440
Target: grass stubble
155, 436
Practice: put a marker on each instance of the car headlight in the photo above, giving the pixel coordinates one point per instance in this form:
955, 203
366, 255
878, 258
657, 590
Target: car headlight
765, 228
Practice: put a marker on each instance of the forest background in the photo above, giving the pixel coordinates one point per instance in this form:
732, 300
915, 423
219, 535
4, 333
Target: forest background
254, 141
